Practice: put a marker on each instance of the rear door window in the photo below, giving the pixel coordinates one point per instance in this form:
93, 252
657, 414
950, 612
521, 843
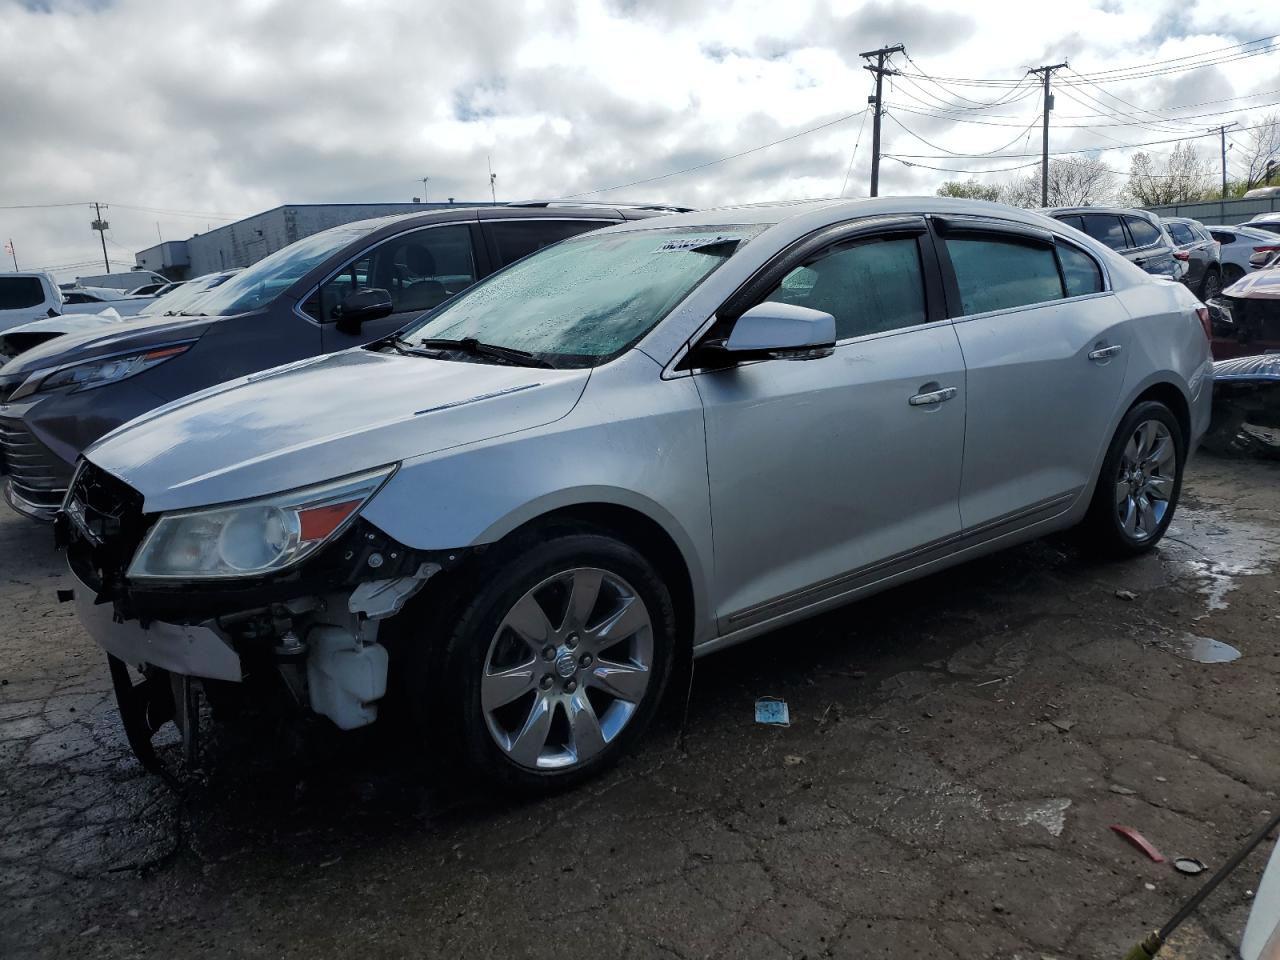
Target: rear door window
514, 240
1143, 233
1223, 237
1106, 228
18, 293
1180, 232
997, 274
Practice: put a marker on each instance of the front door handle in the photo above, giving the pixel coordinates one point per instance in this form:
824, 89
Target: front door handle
1105, 353
932, 397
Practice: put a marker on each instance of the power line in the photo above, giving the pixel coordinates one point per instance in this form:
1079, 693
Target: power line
953, 153
854, 155
925, 166
1094, 149
1236, 51
712, 163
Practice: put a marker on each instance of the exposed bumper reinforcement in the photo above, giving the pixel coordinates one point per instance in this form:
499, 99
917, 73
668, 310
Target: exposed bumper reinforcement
194, 651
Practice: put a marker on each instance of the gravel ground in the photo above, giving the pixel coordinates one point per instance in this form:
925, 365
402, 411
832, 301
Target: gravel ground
958, 750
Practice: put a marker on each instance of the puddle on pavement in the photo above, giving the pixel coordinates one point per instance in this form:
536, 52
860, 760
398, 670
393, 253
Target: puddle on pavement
1049, 814
1201, 649
1216, 550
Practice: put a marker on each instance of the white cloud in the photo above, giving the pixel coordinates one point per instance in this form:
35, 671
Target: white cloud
236, 107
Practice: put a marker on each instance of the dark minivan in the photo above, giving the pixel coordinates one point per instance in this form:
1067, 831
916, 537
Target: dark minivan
1137, 235
329, 291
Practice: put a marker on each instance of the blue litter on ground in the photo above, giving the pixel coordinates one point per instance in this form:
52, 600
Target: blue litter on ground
773, 711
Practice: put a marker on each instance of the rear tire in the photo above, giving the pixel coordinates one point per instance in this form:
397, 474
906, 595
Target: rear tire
1139, 484
1211, 285
553, 664
1231, 274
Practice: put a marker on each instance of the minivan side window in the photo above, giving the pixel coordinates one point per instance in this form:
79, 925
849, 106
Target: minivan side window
18, 293
1080, 272
1106, 228
871, 286
998, 274
516, 239
1143, 233
420, 270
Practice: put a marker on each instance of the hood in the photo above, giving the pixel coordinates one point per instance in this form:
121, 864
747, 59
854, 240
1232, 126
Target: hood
323, 418
1260, 285
99, 338
67, 323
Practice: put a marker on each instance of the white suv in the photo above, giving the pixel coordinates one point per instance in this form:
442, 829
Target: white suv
27, 296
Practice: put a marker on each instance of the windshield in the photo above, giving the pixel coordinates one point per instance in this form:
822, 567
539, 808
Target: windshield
268, 278
177, 300
585, 300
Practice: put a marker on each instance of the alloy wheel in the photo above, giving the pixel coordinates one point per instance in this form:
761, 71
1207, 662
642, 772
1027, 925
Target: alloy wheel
567, 668
1212, 286
1145, 480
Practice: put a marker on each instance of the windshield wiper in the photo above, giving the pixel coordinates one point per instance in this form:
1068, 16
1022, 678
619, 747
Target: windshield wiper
473, 346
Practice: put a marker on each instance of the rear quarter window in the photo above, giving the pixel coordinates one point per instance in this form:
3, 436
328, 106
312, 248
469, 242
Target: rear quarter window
1106, 228
1080, 272
1144, 234
17, 293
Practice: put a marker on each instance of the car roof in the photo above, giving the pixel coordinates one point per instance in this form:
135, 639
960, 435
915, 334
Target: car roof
1132, 211
537, 210
813, 214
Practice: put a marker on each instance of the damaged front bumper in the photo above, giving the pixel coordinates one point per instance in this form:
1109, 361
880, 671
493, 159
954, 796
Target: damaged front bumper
310, 632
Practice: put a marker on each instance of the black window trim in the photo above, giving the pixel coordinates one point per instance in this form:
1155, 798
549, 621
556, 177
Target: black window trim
1007, 230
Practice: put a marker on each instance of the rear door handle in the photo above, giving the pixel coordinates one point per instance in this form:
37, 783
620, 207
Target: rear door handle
1105, 353
933, 396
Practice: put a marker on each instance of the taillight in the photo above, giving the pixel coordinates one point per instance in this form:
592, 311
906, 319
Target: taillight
1203, 313
1266, 249
1181, 255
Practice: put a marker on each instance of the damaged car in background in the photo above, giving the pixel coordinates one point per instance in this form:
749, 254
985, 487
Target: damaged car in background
1246, 338
645, 443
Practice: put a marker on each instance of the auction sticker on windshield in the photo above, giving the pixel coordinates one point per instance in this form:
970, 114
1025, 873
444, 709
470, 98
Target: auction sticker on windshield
695, 243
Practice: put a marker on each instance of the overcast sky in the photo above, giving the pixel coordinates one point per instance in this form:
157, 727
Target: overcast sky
210, 111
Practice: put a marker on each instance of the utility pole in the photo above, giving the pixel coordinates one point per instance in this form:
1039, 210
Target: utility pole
493, 177
101, 226
877, 101
9, 249
1046, 72
1222, 132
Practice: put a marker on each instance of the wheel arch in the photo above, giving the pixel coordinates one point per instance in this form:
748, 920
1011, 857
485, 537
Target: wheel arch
640, 523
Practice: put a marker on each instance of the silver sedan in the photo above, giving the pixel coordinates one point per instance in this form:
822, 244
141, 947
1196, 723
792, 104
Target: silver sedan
666, 437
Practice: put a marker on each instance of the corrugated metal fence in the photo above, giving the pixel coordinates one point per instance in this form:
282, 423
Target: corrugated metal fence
1219, 211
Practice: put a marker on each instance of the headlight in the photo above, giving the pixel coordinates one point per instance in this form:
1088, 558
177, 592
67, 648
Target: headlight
100, 371
254, 537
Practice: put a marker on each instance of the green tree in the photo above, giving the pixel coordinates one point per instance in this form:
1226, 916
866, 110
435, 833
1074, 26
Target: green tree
969, 189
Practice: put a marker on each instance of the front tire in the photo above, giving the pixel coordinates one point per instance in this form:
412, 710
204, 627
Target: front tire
1139, 485
558, 662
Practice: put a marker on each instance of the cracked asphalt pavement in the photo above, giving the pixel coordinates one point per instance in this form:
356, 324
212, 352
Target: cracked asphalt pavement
958, 750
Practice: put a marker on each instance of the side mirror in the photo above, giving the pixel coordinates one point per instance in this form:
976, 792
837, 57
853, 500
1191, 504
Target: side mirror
770, 331
361, 306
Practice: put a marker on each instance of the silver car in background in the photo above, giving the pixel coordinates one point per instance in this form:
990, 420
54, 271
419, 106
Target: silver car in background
656, 440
